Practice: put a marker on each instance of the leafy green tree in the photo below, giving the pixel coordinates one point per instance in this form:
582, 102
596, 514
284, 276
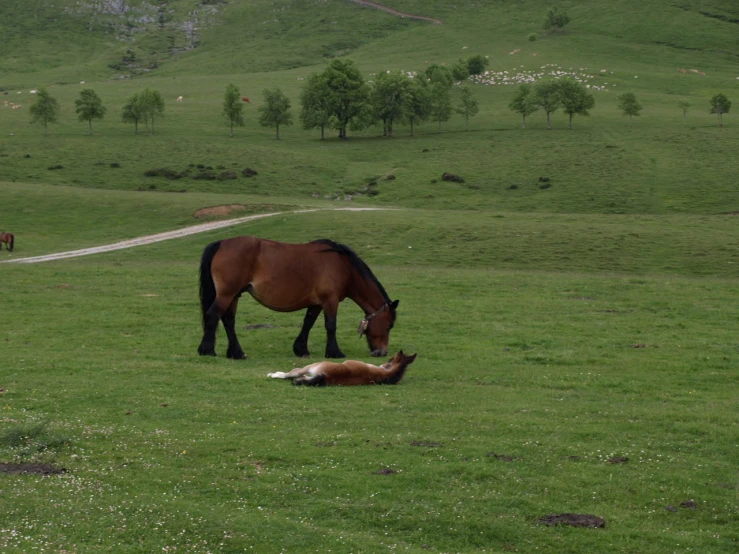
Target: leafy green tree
576, 100
315, 102
275, 111
629, 105
45, 109
233, 108
460, 71
720, 105
468, 106
476, 65
150, 105
555, 20
440, 74
524, 102
684, 106
417, 102
131, 113
348, 94
89, 106
441, 103
548, 97
387, 98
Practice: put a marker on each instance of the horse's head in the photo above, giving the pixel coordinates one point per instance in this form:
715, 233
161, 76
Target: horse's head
376, 327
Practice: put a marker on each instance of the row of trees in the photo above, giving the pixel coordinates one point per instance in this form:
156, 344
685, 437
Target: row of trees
339, 98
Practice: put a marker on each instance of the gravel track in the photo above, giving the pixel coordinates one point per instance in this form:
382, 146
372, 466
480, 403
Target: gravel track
159, 237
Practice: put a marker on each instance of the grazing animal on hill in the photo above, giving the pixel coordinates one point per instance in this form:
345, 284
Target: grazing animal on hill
350, 372
289, 277
8, 239
179, 99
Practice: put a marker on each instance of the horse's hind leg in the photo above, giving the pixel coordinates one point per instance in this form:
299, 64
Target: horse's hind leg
229, 324
300, 346
210, 323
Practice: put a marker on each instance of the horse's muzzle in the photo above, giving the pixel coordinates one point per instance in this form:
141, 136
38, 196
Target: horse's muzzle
378, 353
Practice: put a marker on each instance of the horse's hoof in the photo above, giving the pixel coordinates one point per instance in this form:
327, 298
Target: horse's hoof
206, 352
236, 356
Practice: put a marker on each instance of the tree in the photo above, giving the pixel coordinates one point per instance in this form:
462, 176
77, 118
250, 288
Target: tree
524, 102
387, 98
275, 110
460, 71
315, 111
720, 105
233, 109
629, 105
440, 74
468, 106
555, 20
45, 109
476, 65
417, 102
131, 113
441, 103
150, 105
684, 105
547, 96
575, 98
89, 107
348, 94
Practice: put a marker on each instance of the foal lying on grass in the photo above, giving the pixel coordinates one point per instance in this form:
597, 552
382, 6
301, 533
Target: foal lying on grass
350, 372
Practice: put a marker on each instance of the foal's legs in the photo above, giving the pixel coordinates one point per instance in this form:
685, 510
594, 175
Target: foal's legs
300, 346
229, 324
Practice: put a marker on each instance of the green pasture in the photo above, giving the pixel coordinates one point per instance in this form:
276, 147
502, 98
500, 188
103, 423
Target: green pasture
573, 302
553, 369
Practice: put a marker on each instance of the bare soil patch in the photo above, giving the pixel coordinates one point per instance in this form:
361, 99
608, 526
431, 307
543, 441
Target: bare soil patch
218, 211
573, 520
37, 469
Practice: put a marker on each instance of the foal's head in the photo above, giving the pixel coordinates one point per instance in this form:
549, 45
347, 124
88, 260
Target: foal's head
377, 329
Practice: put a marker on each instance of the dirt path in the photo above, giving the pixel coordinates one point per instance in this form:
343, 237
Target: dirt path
149, 239
394, 12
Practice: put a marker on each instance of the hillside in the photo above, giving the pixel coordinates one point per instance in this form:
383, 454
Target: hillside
120, 37
662, 162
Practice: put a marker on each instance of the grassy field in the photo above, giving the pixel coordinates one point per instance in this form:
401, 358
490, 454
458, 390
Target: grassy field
572, 303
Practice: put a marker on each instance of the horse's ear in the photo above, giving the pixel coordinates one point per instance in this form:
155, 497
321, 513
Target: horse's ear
394, 305
410, 358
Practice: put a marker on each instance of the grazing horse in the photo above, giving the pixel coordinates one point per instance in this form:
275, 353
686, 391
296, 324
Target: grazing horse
8, 239
289, 277
350, 372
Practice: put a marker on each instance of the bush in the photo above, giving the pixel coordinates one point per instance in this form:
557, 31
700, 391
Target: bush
533, 37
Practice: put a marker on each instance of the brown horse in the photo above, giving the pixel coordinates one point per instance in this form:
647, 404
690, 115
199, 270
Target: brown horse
349, 372
289, 277
8, 239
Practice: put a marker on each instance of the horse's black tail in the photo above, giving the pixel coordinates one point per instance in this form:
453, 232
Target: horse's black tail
207, 286
12, 242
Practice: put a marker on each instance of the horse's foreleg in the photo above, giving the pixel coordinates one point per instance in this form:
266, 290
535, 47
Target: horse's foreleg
229, 324
332, 347
300, 346
210, 324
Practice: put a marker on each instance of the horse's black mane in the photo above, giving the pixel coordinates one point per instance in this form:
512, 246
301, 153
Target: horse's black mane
356, 261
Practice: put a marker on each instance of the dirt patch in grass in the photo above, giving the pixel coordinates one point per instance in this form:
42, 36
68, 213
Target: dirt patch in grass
573, 520
426, 444
385, 471
37, 469
218, 211
503, 457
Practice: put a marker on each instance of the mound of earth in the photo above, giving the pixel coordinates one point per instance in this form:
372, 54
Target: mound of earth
218, 211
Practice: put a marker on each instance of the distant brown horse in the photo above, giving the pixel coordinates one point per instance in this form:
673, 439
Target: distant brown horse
289, 277
8, 239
